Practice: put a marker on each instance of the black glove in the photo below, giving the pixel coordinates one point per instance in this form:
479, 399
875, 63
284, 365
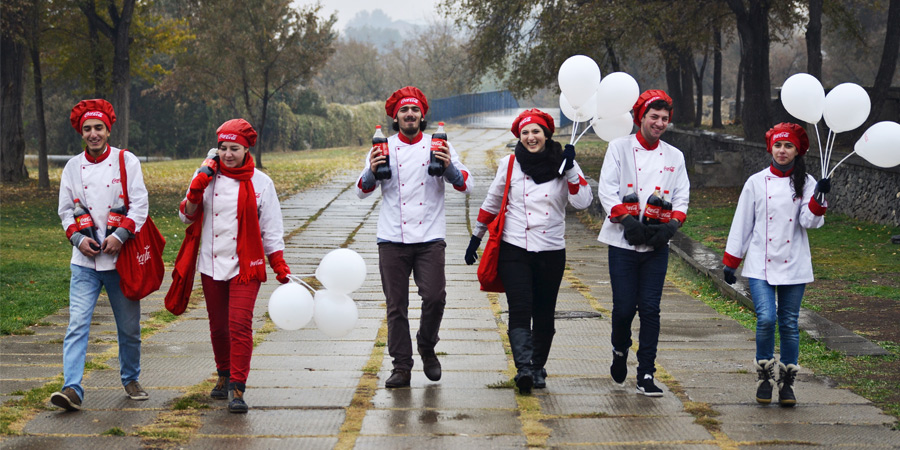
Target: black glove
729, 275
569, 155
472, 250
662, 233
635, 231
823, 186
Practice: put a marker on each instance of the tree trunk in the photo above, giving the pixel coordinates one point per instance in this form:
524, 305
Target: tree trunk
685, 115
888, 62
814, 39
753, 27
12, 93
738, 94
99, 72
717, 80
614, 63
698, 80
34, 48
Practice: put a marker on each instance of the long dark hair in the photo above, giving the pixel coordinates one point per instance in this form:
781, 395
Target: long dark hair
798, 176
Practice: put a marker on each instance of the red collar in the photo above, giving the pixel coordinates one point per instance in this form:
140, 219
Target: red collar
407, 140
779, 173
98, 159
644, 143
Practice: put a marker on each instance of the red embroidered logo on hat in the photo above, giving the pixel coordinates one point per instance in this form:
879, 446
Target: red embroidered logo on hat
97, 114
409, 100
227, 137
783, 134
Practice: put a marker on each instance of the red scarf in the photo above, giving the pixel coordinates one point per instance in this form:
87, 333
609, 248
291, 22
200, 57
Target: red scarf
249, 239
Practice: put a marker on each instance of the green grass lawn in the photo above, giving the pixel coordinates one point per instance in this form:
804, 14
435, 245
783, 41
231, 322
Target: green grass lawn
34, 251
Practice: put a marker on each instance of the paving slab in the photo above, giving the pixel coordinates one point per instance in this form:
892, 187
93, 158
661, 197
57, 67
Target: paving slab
814, 434
274, 422
313, 348
259, 443
88, 422
70, 442
115, 399
645, 430
614, 403
470, 422
810, 413
299, 397
438, 396
440, 441
259, 378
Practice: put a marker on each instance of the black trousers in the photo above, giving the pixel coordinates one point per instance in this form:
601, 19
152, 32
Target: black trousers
426, 263
531, 280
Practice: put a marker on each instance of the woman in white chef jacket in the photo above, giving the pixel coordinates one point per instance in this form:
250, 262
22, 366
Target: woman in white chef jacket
776, 207
533, 248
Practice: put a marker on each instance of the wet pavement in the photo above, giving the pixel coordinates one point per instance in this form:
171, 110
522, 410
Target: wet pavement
310, 391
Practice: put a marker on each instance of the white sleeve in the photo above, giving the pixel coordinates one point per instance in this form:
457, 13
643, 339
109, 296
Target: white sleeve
360, 192
583, 196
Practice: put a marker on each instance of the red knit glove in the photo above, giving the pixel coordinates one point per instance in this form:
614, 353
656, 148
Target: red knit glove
198, 185
281, 269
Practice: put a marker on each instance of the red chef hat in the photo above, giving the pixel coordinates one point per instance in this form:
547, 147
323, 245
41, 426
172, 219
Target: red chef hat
237, 130
648, 97
787, 131
405, 96
92, 109
532, 116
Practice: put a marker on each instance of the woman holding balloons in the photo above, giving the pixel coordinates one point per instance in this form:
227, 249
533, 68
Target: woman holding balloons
768, 233
240, 218
532, 252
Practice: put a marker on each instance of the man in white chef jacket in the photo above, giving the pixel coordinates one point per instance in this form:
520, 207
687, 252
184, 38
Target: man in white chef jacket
93, 177
638, 253
411, 230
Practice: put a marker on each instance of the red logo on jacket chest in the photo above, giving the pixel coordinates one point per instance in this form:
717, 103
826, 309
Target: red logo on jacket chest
116, 180
669, 169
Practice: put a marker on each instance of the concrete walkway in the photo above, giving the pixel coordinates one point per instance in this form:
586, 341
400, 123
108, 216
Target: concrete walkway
310, 391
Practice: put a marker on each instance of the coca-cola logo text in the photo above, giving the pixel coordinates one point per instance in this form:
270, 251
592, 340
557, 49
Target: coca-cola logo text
145, 256
783, 134
669, 169
257, 262
116, 181
227, 137
96, 114
524, 122
85, 221
409, 100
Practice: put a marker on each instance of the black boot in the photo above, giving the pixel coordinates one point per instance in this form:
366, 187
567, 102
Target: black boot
786, 391
220, 390
542, 342
522, 350
430, 363
236, 402
765, 380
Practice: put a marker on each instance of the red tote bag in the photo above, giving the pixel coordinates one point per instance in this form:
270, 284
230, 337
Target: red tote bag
140, 262
487, 267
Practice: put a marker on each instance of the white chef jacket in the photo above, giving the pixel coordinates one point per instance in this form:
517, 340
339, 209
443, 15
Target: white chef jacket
412, 202
769, 227
97, 183
627, 161
536, 213
218, 248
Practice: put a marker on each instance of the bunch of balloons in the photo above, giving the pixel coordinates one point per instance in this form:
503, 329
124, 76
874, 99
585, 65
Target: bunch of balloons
606, 103
341, 271
845, 108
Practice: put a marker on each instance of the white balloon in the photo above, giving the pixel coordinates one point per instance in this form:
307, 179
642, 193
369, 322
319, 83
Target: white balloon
880, 144
617, 93
583, 114
803, 97
291, 306
578, 78
342, 270
609, 129
847, 107
335, 313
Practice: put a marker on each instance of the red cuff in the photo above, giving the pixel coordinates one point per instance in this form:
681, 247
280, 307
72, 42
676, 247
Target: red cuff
128, 224
618, 210
465, 182
72, 229
276, 258
191, 216
359, 185
485, 217
731, 261
816, 208
679, 216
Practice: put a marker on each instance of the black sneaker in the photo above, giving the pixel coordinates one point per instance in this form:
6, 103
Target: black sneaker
619, 368
135, 391
398, 378
430, 364
540, 378
236, 403
646, 386
66, 399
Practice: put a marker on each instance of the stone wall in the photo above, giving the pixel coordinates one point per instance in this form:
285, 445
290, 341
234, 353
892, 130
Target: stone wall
859, 189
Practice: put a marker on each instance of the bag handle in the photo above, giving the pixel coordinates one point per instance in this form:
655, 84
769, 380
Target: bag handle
123, 175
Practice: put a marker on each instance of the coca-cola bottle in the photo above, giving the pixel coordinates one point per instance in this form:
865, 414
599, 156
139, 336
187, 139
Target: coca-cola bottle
383, 171
211, 163
665, 211
85, 224
652, 208
438, 139
116, 214
632, 202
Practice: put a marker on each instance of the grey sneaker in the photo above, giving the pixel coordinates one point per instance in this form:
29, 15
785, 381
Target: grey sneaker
66, 399
135, 391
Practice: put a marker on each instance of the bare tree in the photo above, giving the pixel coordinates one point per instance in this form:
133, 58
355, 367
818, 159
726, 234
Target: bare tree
12, 77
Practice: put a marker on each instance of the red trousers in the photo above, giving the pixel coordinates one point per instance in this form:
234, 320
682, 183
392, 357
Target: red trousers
229, 305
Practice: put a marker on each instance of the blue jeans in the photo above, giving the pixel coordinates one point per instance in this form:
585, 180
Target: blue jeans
787, 315
637, 281
84, 290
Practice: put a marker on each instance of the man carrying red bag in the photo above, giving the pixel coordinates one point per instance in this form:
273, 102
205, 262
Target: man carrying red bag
93, 181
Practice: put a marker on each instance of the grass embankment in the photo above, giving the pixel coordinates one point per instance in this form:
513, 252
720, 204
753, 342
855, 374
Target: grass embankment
857, 273
34, 268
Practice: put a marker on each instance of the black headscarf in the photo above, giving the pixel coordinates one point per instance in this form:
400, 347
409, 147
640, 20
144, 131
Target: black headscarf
542, 166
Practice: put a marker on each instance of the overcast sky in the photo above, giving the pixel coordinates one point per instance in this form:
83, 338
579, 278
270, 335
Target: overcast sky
412, 11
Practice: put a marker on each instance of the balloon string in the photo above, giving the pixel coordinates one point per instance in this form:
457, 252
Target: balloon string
839, 163
822, 167
297, 279
829, 144
574, 131
584, 131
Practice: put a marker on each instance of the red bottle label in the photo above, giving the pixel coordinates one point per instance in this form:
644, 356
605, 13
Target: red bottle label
84, 221
114, 220
384, 148
651, 211
633, 208
665, 215
436, 144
